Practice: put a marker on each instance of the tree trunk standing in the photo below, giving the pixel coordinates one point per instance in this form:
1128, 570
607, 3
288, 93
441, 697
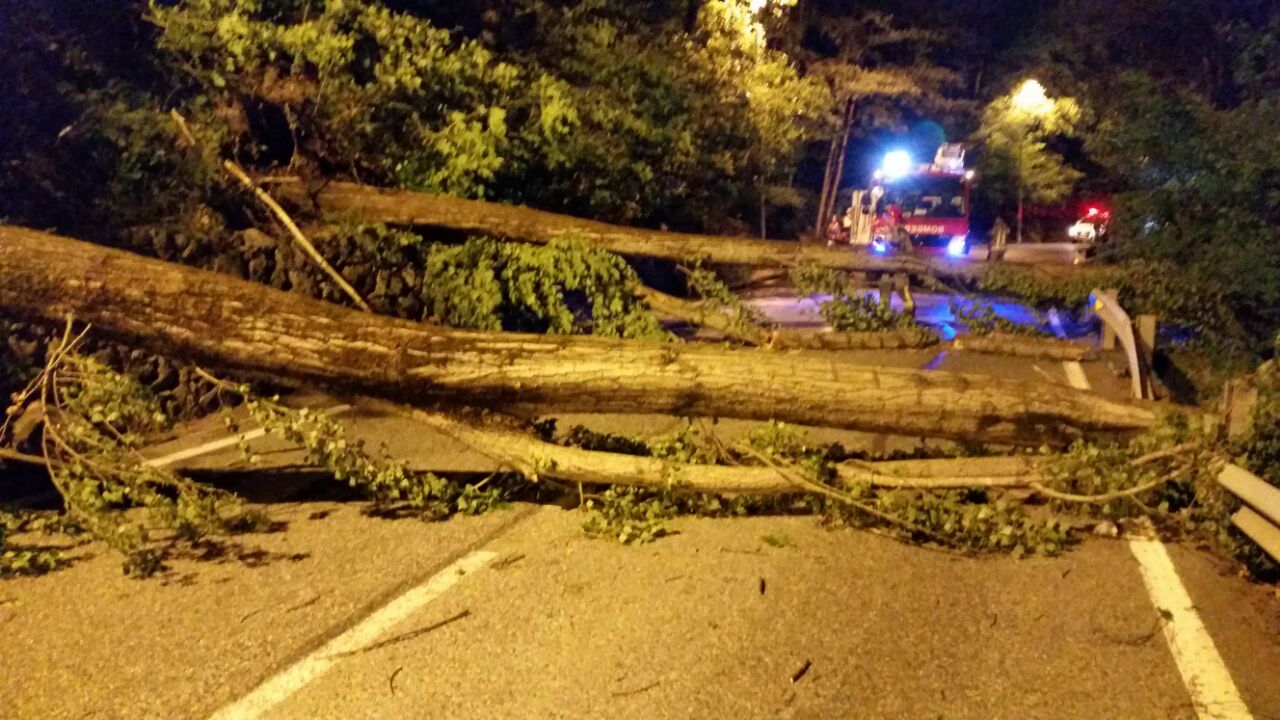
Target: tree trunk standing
838, 178
820, 227
764, 220
834, 171
241, 326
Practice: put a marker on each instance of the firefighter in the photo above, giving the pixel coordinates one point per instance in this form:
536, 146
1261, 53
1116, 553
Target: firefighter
835, 233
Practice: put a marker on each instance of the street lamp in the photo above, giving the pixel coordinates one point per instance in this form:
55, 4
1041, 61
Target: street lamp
1032, 100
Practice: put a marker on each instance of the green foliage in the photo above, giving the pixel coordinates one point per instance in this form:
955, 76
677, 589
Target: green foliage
22, 559
386, 480
717, 295
92, 429
689, 444
1013, 133
358, 86
1260, 450
1176, 295
1200, 191
963, 520
561, 288
629, 515
849, 309
777, 540
981, 319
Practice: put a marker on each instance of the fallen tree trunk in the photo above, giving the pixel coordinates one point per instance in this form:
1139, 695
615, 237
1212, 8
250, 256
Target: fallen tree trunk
1024, 346
722, 321
236, 325
534, 458
406, 207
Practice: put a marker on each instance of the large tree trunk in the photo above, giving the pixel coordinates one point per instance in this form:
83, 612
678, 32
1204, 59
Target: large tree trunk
406, 207
722, 320
236, 325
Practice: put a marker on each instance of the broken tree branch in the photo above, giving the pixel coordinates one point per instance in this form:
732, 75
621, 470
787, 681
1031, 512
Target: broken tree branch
242, 177
535, 458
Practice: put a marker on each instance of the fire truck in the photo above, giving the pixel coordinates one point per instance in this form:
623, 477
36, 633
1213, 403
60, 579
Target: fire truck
916, 208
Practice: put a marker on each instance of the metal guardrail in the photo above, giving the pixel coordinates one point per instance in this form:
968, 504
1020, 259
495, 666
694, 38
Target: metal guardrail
1260, 516
1106, 306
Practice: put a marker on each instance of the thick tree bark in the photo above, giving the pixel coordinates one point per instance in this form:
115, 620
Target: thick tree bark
406, 207
236, 325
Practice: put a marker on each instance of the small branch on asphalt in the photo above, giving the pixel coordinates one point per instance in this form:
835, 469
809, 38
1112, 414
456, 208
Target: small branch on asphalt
305, 604
637, 691
405, 637
508, 561
804, 670
391, 681
805, 484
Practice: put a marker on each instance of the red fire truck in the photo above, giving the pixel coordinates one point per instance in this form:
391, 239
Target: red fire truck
921, 208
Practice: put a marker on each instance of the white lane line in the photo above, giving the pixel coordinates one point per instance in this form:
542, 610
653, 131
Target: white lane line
285, 683
1213, 693
1075, 375
227, 442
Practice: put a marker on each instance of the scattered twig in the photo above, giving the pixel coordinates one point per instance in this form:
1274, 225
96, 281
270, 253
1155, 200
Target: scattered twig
305, 604
391, 681
762, 586
412, 634
251, 613
508, 561
804, 670
806, 484
637, 691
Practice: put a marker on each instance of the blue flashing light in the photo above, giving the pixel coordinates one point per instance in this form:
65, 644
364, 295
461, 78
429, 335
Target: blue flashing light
879, 246
956, 248
896, 164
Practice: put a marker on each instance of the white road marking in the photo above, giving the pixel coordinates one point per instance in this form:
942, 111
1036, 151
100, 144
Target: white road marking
1075, 375
227, 442
1213, 693
288, 681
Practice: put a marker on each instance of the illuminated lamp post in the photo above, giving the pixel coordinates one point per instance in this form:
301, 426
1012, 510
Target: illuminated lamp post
1032, 100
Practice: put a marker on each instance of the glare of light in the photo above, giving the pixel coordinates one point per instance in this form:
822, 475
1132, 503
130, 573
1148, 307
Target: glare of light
758, 5
896, 164
879, 245
968, 174
1032, 98
955, 248
1092, 211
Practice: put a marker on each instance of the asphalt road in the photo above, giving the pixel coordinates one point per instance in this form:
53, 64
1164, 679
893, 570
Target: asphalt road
548, 623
